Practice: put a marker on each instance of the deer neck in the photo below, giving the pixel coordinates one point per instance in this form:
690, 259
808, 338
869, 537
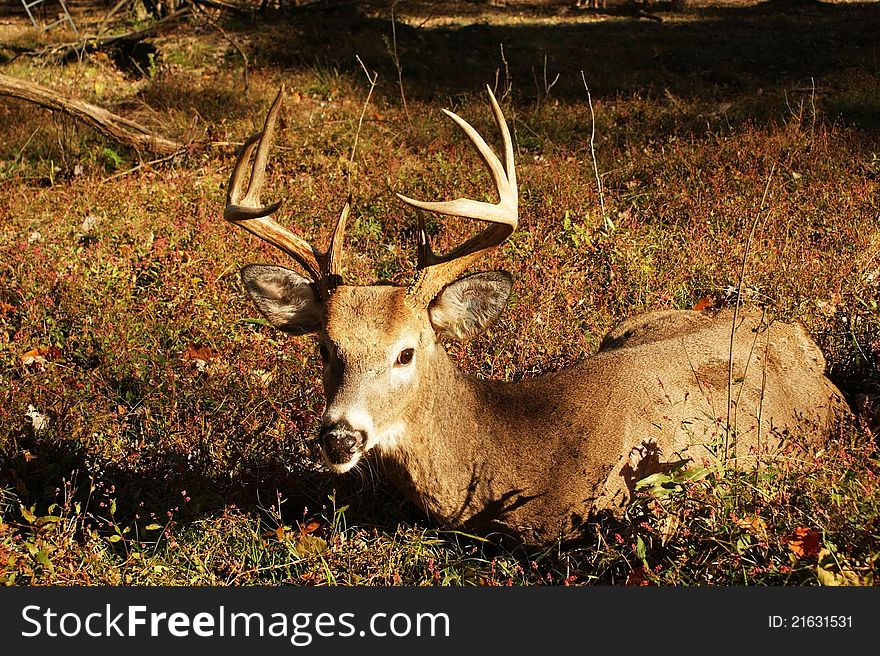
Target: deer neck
447, 457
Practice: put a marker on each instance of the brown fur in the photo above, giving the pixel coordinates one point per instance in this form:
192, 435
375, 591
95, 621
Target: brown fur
534, 457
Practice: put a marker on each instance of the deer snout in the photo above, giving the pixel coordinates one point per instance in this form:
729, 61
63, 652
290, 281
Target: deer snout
341, 442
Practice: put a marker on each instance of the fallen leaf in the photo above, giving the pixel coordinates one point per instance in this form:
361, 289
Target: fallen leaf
705, 303
831, 572
39, 421
198, 352
754, 525
311, 527
89, 224
668, 528
199, 355
637, 577
40, 356
262, 376
6, 308
804, 542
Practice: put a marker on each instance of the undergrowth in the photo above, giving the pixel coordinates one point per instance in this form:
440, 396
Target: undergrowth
153, 430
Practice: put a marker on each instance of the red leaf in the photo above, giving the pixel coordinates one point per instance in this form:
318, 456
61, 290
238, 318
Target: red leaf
804, 542
638, 577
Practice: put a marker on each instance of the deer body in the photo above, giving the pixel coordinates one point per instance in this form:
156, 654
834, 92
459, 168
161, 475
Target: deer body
535, 457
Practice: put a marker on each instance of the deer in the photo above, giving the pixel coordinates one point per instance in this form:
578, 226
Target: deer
536, 458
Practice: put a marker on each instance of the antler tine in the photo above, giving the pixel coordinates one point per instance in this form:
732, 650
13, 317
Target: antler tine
333, 272
438, 270
247, 211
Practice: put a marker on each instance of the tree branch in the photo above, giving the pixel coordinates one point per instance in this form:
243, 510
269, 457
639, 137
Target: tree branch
117, 127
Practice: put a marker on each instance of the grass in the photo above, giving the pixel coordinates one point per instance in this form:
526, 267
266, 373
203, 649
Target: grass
154, 431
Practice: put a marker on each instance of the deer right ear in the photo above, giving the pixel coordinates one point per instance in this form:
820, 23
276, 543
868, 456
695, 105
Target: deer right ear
284, 297
465, 307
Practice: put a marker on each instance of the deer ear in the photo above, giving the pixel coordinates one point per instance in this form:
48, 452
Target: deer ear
467, 306
285, 298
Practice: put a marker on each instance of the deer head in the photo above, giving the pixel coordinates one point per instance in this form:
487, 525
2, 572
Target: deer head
381, 345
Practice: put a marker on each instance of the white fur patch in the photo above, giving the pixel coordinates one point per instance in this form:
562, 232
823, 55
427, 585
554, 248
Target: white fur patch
341, 469
388, 440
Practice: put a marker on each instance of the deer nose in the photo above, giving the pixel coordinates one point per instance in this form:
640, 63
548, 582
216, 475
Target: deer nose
341, 441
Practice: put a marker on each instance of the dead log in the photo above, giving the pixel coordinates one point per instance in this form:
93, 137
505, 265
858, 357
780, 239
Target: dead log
118, 128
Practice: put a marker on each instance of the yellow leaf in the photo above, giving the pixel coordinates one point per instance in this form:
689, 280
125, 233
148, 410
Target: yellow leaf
831, 572
754, 525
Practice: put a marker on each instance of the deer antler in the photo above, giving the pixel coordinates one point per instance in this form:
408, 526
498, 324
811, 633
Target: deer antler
439, 270
244, 209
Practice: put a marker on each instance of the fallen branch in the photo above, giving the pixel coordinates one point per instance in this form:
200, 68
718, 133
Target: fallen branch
93, 43
644, 14
120, 129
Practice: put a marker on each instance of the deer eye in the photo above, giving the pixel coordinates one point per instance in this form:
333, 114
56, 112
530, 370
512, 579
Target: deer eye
405, 357
325, 354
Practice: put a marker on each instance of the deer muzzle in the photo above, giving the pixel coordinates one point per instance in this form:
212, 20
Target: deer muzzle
341, 442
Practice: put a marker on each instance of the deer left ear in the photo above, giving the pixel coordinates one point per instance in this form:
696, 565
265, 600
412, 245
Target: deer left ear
467, 306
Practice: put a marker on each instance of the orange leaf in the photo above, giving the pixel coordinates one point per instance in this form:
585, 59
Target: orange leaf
40, 355
804, 542
198, 352
310, 527
705, 303
277, 533
6, 308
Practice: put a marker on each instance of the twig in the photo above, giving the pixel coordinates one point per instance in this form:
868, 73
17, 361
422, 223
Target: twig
742, 277
761, 402
548, 87
120, 174
397, 65
508, 84
92, 43
813, 102
593, 152
372, 79
26, 144
119, 5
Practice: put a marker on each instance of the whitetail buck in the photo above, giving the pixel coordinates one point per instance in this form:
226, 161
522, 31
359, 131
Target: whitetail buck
531, 458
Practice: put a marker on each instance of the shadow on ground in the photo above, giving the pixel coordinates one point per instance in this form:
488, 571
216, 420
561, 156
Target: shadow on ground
710, 54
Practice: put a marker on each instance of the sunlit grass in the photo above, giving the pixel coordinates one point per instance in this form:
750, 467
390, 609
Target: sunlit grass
154, 431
